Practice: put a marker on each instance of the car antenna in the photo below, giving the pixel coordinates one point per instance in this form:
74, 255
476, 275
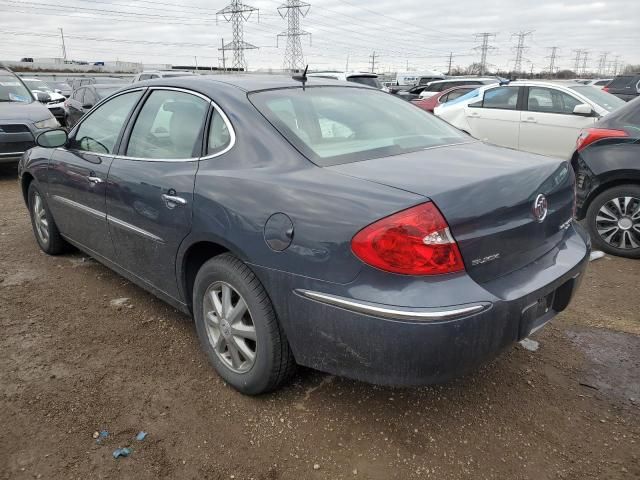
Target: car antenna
302, 78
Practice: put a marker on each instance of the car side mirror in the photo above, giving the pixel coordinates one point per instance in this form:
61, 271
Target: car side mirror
43, 97
583, 110
52, 138
87, 106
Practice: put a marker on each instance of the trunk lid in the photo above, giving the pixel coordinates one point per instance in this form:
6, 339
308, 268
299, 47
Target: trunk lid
487, 196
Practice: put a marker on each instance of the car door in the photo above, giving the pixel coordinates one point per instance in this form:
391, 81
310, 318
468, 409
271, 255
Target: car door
548, 125
150, 190
77, 175
496, 119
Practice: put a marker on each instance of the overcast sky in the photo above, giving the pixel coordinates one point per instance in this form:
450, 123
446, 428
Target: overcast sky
418, 33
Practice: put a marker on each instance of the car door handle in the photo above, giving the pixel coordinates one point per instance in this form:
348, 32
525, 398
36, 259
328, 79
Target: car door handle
474, 114
172, 201
529, 120
94, 180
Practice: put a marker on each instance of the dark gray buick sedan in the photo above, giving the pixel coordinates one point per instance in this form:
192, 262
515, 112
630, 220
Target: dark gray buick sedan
323, 223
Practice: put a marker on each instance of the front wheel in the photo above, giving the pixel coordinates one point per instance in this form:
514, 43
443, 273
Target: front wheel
613, 220
44, 227
238, 328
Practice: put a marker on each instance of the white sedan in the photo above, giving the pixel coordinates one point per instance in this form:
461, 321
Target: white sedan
538, 117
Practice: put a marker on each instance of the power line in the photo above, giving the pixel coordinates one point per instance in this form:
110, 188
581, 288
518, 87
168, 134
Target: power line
237, 13
292, 10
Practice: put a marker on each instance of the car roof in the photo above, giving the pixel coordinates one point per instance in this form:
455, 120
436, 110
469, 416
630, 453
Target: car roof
247, 83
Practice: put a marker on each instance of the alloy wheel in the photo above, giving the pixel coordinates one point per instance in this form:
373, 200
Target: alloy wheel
40, 218
230, 328
618, 222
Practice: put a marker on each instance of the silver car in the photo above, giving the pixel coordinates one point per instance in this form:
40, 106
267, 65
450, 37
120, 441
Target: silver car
22, 117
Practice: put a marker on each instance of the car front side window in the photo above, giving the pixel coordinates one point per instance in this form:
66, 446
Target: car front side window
168, 126
99, 131
548, 100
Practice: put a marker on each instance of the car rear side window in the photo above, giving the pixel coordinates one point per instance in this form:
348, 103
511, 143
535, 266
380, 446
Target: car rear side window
168, 126
219, 136
504, 98
334, 125
621, 81
99, 131
79, 94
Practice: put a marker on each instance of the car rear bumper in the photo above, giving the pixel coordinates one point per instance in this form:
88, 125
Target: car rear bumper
400, 345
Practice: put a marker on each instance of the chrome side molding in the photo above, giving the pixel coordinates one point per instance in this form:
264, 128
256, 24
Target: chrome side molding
395, 313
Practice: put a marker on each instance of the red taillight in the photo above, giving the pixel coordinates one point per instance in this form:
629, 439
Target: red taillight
416, 241
606, 89
589, 135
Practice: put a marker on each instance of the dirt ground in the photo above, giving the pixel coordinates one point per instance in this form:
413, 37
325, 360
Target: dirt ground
72, 363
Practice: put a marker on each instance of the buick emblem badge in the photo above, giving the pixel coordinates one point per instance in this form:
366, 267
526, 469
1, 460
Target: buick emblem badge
540, 208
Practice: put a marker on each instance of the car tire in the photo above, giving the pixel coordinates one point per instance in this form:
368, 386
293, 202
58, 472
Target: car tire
44, 227
257, 366
605, 221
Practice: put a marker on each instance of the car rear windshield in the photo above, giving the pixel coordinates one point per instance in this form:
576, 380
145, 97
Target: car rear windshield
600, 97
365, 80
335, 125
12, 90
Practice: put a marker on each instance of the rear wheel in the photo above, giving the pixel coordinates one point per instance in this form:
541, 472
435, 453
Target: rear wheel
237, 327
613, 220
44, 227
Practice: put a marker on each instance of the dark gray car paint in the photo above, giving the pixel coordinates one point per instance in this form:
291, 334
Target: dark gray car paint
484, 194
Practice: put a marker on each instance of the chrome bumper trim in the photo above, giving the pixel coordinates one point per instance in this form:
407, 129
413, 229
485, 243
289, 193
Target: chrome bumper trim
395, 313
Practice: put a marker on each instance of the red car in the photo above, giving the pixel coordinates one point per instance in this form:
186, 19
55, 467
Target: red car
445, 96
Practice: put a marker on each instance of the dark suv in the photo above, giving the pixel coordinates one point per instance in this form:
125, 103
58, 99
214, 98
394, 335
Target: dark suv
608, 181
22, 117
626, 87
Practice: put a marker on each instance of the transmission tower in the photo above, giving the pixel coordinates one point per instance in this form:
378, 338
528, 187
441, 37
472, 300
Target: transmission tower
585, 59
484, 48
576, 65
237, 13
292, 10
520, 48
552, 60
372, 61
602, 63
615, 65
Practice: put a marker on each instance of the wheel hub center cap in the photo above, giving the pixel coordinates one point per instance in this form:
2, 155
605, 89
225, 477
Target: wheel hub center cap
225, 328
625, 223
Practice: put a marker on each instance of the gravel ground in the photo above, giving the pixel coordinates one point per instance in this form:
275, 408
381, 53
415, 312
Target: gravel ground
83, 350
